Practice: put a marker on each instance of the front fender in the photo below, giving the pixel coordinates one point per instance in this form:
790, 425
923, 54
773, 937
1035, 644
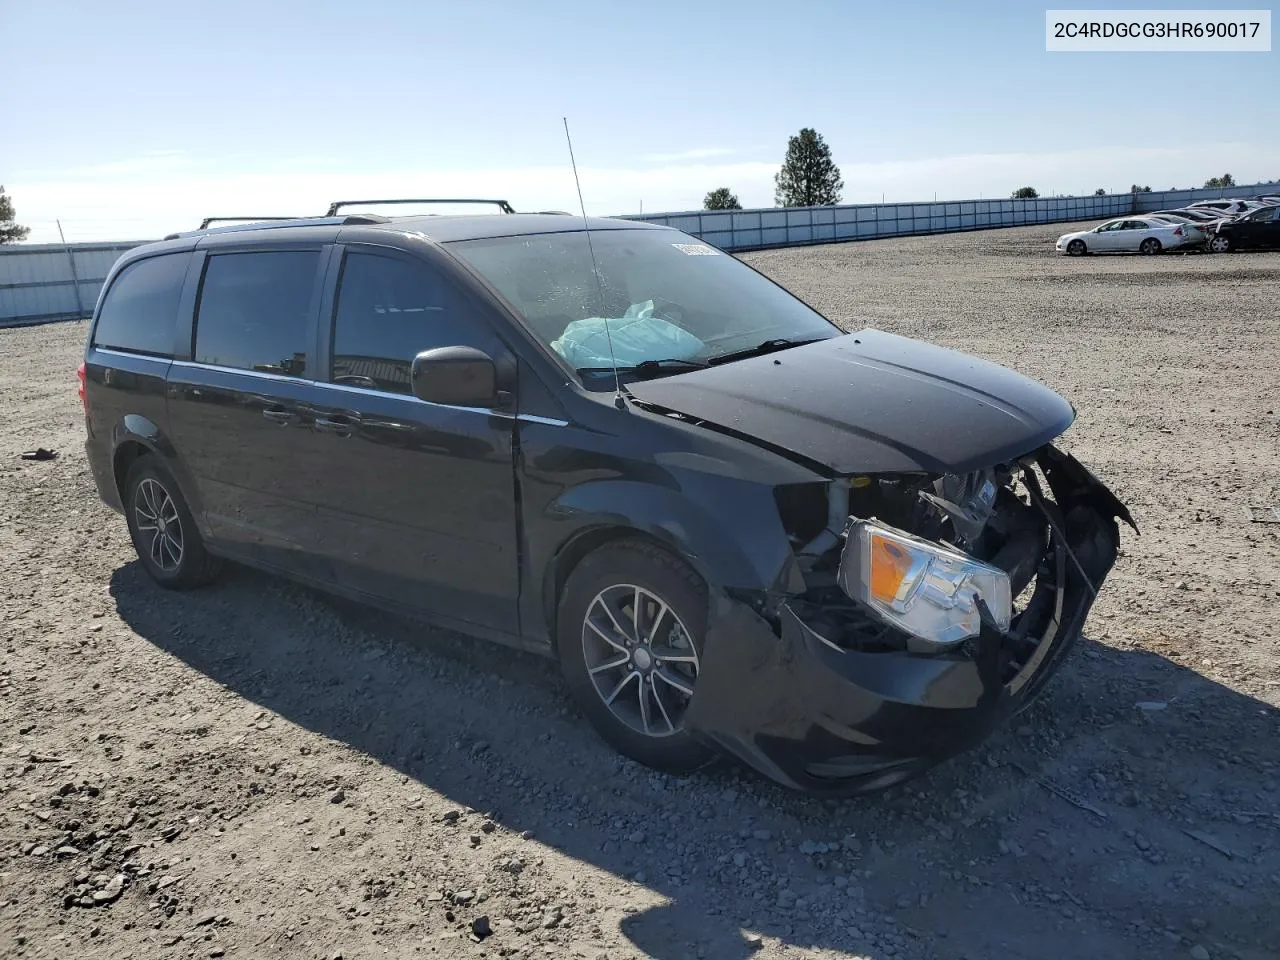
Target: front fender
731, 535
727, 530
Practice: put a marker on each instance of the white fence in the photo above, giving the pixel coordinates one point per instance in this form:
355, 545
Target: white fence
45, 282
40, 282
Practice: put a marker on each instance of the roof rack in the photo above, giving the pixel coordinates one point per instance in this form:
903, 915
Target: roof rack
279, 223
335, 207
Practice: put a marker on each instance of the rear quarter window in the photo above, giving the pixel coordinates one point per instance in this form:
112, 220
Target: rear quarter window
140, 308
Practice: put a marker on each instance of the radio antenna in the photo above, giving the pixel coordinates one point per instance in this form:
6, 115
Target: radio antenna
619, 399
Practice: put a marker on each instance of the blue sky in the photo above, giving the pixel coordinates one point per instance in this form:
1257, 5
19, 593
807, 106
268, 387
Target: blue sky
130, 118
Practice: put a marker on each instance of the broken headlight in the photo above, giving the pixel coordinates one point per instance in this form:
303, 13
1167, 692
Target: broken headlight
928, 590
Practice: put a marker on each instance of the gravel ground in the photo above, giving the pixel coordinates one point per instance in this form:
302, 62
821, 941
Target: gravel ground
256, 770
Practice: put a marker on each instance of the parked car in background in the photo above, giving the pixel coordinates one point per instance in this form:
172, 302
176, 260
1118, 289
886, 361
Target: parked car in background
838, 557
1233, 207
1257, 228
1199, 216
1129, 235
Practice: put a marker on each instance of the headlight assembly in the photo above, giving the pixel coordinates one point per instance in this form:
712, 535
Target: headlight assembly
926, 589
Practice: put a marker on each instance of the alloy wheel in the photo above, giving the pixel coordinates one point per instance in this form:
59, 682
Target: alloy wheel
156, 517
1219, 244
640, 658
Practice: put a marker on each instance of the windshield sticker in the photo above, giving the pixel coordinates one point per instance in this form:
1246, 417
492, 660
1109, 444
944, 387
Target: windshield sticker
696, 249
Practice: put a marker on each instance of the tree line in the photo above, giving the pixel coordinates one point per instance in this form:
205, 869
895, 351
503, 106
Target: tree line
1213, 183
810, 178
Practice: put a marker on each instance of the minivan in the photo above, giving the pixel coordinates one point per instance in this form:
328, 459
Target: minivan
837, 557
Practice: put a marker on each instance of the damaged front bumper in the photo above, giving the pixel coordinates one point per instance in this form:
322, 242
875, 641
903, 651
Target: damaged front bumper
816, 715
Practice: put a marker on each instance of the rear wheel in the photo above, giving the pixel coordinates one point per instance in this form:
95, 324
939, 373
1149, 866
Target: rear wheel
1220, 244
162, 529
629, 633
1150, 246
1076, 248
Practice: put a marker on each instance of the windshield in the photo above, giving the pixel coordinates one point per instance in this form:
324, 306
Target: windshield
665, 296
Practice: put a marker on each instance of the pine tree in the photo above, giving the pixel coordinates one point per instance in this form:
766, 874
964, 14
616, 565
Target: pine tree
809, 177
10, 230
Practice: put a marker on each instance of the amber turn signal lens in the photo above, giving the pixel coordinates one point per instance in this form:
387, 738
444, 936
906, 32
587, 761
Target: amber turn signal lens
890, 563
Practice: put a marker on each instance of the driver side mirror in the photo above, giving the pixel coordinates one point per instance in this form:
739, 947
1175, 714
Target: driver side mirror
456, 376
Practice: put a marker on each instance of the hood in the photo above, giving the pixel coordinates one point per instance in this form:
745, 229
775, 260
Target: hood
871, 402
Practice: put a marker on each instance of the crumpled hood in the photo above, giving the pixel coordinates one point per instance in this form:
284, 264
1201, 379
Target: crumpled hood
871, 402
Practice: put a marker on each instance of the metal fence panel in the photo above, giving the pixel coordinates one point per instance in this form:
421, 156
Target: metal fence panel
40, 281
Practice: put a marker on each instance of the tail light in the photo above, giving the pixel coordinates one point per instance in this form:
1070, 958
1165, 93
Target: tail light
80, 391
1177, 231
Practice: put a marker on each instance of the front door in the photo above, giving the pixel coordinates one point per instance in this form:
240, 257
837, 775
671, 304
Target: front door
1107, 237
1259, 229
418, 504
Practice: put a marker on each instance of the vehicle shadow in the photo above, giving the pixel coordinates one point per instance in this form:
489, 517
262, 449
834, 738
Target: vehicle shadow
1026, 841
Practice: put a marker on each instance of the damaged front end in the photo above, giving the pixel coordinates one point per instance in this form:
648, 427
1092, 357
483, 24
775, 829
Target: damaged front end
935, 608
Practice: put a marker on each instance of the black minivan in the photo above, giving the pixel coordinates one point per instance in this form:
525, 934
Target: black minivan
839, 557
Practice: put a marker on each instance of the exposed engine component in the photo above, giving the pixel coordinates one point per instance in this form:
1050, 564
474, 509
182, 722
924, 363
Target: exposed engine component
967, 501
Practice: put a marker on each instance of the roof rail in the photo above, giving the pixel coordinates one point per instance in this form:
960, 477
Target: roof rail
204, 224
283, 223
335, 207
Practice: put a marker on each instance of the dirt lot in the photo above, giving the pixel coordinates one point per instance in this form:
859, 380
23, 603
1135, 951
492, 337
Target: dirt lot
255, 770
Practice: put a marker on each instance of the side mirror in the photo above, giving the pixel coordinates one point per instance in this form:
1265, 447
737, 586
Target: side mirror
457, 376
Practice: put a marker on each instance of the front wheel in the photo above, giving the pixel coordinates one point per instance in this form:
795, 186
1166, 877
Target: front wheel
1149, 246
629, 635
1219, 244
162, 529
1076, 248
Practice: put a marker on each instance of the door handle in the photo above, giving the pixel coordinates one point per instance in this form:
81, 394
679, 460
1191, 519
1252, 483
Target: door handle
339, 423
280, 415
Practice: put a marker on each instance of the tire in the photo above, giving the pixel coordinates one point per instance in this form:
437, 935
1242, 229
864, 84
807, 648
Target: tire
649, 691
154, 509
1076, 248
1219, 244
1150, 246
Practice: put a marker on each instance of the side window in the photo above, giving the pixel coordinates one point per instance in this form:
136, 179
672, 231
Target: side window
390, 310
254, 310
141, 306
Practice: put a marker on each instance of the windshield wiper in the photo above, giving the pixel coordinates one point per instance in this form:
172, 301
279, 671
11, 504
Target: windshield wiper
651, 368
769, 346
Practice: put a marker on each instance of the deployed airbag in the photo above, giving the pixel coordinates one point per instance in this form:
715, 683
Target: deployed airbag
637, 336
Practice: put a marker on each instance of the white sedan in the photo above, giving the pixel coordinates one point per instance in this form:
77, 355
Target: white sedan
1140, 234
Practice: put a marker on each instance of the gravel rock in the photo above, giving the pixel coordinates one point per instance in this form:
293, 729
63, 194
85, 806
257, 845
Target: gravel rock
111, 892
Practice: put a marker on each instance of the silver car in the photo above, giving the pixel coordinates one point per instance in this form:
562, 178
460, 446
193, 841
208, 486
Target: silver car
1130, 234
